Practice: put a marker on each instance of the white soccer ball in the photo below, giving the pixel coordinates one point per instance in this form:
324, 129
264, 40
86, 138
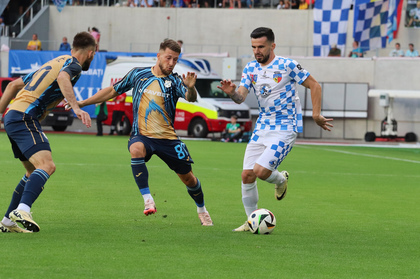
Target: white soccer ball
262, 221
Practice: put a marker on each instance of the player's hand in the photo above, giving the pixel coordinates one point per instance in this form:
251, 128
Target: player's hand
227, 86
84, 116
189, 79
323, 122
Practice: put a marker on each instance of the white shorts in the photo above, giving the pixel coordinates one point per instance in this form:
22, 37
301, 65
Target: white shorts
268, 148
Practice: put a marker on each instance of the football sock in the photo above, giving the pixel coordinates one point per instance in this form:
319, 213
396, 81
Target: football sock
147, 197
7, 221
140, 174
250, 197
34, 187
17, 195
275, 178
196, 194
201, 209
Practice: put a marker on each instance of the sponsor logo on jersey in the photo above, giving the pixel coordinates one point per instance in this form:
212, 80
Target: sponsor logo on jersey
265, 90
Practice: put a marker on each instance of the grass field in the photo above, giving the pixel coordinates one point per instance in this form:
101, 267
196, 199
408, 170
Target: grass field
350, 212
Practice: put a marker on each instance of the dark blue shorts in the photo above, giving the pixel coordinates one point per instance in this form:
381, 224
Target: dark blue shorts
173, 152
25, 134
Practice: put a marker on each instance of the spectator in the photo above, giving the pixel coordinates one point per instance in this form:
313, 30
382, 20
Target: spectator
334, 51
178, 4
65, 46
357, 51
147, 3
34, 44
97, 35
411, 52
414, 16
281, 5
117, 114
101, 112
181, 43
233, 130
294, 4
132, 3
303, 5
397, 52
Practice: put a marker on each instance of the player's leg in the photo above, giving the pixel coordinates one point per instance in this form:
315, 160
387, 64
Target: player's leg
280, 144
28, 141
44, 168
138, 154
249, 188
7, 225
196, 193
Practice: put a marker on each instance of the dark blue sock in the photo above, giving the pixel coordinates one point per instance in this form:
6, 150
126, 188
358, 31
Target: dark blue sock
17, 195
196, 194
34, 186
140, 174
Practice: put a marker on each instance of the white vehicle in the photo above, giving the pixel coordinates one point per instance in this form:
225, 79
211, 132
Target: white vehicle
209, 114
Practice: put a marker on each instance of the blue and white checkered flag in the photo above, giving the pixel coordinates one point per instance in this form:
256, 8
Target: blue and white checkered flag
330, 25
370, 24
60, 4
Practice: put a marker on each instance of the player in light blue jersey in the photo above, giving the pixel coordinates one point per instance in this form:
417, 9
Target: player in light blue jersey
156, 91
273, 80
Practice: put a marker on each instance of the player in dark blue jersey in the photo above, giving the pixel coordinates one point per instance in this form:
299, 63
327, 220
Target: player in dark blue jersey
155, 93
34, 95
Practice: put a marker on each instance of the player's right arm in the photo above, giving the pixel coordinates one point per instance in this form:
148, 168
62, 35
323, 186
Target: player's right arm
100, 97
238, 96
10, 92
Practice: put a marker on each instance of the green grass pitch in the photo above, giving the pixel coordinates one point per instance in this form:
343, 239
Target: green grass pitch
350, 212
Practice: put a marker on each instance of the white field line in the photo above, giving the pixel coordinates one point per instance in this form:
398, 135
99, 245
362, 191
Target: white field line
362, 154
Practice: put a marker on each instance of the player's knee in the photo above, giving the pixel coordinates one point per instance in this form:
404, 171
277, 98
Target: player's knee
189, 180
248, 176
49, 168
261, 172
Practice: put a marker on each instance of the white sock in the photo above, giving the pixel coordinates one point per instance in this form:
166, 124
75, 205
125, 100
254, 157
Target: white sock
7, 222
24, 207
201, 209
147, 197
275, 178
250, 197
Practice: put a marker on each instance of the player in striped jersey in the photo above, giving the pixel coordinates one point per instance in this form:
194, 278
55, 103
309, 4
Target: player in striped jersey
273, 80
36, 94
156, 91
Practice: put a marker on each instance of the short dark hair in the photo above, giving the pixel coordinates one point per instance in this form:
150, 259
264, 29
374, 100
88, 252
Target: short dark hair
263, 32
171, 44
83, 40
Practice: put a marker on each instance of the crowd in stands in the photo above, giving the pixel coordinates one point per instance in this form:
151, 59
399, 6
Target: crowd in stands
279, 4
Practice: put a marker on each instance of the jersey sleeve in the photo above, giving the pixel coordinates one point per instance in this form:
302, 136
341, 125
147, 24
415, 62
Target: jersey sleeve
27, 78
73, 68
181, 88
296, 72
246, 78
127, 82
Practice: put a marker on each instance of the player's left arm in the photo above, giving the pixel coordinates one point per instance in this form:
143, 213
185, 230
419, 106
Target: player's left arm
316, 96
66, 88
189, 81
10, 92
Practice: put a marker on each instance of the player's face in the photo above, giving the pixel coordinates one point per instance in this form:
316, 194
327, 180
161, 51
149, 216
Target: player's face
91, 55
167, 60
263, 50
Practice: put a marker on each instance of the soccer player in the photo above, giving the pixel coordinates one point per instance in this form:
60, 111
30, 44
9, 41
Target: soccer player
156, 91
35, 94
273, 80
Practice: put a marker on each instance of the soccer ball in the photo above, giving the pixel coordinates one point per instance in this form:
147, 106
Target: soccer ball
261, 221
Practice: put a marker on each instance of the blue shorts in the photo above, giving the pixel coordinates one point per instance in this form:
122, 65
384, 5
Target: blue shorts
173, 152
25, 134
